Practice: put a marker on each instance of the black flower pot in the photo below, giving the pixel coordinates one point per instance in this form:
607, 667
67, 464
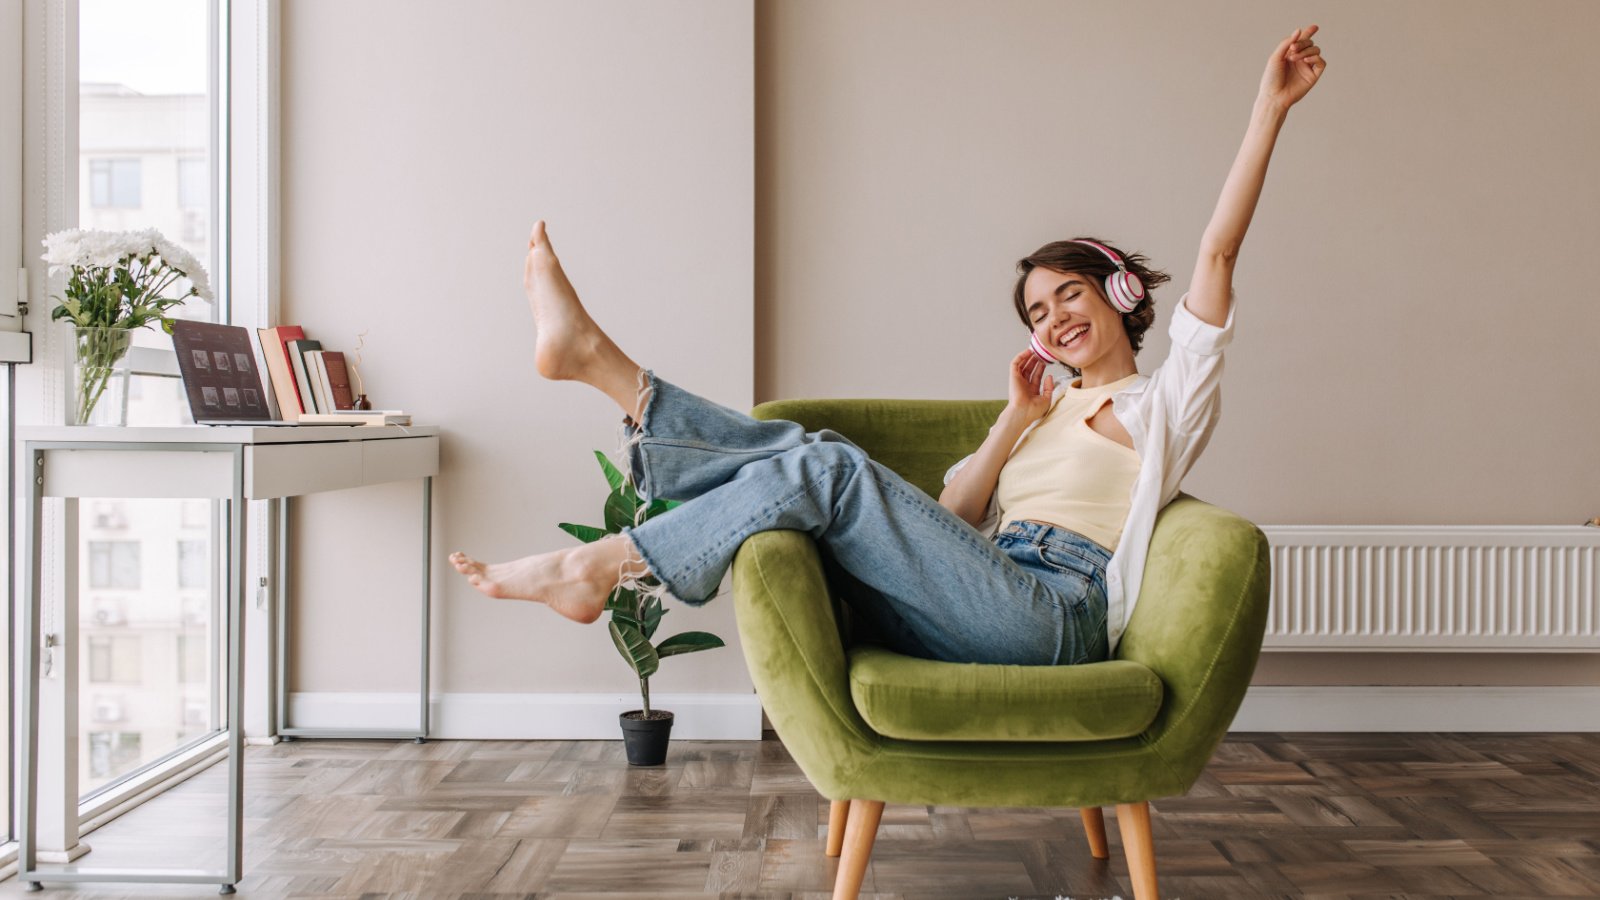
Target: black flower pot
646, 739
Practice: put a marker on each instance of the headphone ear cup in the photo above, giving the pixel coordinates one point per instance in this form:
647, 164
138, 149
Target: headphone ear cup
1125, 290
1039, 349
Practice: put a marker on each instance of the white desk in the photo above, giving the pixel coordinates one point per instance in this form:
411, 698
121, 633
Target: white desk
232, 463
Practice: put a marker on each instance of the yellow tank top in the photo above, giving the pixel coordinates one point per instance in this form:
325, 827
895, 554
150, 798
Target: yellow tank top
1069, 475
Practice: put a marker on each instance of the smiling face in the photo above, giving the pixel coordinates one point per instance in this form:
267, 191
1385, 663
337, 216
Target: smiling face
1070, 316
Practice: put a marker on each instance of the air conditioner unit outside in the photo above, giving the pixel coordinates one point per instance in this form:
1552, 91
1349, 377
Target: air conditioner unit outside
110, 615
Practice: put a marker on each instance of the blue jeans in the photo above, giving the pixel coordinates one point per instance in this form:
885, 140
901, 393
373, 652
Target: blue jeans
926, 583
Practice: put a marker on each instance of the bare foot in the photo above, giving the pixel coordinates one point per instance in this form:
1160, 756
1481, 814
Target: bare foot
569, 342
573, 582
569, 346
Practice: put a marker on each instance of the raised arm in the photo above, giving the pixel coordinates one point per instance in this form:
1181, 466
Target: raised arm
1292, 70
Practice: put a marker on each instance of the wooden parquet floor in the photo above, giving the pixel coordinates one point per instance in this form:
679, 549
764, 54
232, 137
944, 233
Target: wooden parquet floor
1274, 815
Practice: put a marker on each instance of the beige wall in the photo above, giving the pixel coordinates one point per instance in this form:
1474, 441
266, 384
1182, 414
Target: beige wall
1416, 334
418, 149
1390, 365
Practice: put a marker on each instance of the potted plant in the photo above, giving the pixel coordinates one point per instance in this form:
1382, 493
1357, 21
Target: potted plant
116, 283
634, 621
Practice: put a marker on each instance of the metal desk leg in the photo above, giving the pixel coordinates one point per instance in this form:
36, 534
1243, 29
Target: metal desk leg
236, 566
427, 593
27, 849
280, 617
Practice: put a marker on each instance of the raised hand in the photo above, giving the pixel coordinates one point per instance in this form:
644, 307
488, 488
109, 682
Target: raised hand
1293, 68
1031, 388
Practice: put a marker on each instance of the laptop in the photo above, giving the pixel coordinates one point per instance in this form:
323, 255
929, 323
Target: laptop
220, 375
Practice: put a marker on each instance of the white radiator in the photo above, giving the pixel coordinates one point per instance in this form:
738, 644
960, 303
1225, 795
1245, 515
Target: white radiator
1514, 588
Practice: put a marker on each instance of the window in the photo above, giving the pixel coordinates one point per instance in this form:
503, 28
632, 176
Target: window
114, 183
115, 659
193, 660
132, 133
108, 515
114, 564
111, 753
194, 564
194, 188
194, 514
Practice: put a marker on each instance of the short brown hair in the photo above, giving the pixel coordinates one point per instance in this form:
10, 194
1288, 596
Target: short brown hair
1067, 256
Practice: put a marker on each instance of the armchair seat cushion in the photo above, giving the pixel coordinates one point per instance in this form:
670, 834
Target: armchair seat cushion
925, 700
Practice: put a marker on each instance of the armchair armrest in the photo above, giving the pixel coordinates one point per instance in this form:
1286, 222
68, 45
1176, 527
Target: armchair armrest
1199, 624
797, 660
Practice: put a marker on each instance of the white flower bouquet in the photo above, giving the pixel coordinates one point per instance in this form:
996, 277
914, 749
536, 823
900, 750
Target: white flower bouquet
117, 281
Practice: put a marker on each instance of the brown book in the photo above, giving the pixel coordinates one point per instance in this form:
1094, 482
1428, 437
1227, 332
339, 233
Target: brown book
275, 352
338, 380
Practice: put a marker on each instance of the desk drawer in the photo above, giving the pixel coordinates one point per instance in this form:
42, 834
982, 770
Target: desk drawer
286, 470
399, 459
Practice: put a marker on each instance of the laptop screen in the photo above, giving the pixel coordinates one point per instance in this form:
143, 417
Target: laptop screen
219, 371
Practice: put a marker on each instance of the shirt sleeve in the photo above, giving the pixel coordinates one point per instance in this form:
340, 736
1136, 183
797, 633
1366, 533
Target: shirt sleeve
1189, 381
950, 473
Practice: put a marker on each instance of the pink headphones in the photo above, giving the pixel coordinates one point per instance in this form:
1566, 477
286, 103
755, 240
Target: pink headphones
1123, 289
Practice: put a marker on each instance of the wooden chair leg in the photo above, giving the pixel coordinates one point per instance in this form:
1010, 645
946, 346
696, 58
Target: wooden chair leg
838, 813
859, 833
1094, 825
1134, 820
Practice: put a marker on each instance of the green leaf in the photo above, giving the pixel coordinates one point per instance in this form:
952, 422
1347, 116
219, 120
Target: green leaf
586, 533
621, 598
657, 507
650, 616
613, 477
635, 649
620, 510
688, 642
623, 605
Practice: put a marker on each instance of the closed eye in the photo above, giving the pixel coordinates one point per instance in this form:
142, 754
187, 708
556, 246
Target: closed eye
1040, 318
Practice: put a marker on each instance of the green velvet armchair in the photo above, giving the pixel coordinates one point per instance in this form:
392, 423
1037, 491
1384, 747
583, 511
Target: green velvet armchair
869, 726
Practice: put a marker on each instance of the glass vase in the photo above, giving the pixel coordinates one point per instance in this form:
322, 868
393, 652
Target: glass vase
98, 389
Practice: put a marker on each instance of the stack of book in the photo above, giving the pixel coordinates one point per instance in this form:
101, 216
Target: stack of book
312, 385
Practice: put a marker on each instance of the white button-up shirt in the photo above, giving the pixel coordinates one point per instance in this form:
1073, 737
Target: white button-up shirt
1170, 415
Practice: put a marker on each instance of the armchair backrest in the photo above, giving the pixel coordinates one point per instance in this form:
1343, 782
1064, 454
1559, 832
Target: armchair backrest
919, 439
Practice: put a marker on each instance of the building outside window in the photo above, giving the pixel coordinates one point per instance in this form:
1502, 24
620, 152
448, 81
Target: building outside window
115, 183
114, 564
194, 565
111, 752
115, 659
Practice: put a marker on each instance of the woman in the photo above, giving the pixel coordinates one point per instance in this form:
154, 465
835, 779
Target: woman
936, 580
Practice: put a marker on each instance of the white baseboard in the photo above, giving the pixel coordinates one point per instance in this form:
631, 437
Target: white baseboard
738, 717
527, 717
1419, 708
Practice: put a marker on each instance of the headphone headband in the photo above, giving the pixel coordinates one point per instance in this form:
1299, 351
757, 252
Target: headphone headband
1103, 249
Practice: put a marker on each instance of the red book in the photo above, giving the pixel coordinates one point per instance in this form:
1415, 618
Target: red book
338, 380
275, 350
